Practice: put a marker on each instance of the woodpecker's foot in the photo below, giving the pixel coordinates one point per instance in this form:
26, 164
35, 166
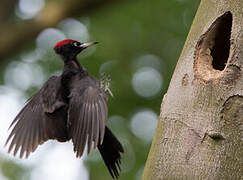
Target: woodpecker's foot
105, 84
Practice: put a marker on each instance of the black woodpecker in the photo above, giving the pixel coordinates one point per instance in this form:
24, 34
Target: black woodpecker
72, 106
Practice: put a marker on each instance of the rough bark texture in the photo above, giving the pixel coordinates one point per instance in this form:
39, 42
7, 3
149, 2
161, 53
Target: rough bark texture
199, 134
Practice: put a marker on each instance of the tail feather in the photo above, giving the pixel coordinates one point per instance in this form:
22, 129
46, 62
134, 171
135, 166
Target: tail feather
110, 151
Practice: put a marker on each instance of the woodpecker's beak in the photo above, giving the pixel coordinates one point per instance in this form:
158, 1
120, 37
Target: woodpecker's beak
87, 44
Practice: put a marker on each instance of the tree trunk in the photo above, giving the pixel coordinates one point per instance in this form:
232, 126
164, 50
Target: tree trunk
199, 134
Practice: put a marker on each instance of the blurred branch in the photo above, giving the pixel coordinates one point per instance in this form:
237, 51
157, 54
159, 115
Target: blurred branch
6, 9
14, 36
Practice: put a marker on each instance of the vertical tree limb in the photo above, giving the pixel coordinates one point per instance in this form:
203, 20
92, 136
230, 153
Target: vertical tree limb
199, 134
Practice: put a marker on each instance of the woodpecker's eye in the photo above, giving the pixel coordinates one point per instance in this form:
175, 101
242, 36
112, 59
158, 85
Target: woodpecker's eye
76, 44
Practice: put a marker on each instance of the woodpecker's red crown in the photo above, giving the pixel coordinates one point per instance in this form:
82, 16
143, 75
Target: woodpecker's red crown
65, 42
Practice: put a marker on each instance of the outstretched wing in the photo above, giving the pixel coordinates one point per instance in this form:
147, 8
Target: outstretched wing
36, 123
87, 114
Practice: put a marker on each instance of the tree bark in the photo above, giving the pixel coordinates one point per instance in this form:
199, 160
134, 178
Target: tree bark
199, 133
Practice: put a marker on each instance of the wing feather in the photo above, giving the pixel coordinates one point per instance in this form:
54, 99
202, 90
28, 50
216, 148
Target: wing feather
79, 129
96, 127
103, 115
91, 122
32, 126
87, 114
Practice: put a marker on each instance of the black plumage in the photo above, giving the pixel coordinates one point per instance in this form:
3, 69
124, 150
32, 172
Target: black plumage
72, 106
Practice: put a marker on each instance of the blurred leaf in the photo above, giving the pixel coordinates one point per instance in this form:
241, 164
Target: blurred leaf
14, 171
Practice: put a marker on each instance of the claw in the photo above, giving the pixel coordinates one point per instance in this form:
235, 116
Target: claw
108, 79
108, 91
102, 76
102, 80
102, 84
107, 86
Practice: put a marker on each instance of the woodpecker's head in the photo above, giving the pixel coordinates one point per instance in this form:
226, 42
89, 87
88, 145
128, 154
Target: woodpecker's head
69, 49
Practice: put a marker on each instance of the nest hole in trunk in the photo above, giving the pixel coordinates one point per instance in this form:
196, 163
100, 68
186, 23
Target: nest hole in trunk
213, 48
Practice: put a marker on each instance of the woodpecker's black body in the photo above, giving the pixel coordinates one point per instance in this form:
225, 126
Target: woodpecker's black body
70, 106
